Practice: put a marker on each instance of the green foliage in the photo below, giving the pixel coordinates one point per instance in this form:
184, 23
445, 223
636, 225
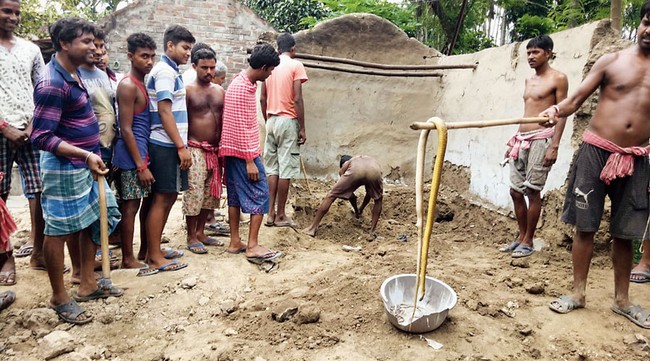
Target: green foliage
37, 15
289, 15
571, 13
472, 41
530, 26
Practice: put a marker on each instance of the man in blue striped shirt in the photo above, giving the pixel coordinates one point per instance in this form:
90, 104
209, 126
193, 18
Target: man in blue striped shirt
168, 152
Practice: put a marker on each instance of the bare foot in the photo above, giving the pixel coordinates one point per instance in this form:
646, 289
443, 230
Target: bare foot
235, 247
132, 263
308, 231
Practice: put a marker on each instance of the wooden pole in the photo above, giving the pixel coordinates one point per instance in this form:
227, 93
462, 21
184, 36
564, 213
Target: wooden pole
479, 124
383, 66
304, 172
103, 233
371, 72
366, 64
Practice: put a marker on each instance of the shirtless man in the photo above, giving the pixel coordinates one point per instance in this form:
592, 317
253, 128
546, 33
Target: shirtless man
204, 108
533, 150
133, 177
612, 160
355, 172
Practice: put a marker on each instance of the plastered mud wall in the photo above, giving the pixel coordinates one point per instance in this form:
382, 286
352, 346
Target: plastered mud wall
365, 114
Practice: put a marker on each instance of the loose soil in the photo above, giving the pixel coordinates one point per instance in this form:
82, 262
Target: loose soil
227, 314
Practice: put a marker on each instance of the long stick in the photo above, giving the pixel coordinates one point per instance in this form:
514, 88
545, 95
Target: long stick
304, 172
384, 66
103, 229
344, 69
479, 123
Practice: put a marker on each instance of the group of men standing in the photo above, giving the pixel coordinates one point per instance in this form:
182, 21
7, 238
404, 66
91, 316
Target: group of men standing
152, 135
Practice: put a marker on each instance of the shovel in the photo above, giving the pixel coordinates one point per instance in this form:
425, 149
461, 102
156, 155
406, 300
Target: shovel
105, 282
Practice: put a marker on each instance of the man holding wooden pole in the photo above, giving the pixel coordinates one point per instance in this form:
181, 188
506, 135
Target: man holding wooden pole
533, 149
613, 161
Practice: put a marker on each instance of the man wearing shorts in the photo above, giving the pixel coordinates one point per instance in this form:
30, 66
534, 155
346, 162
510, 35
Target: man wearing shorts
204, 108
240, 145
355, 172
168, 152
284, 112
21, 65
533, 149
67, 133
133, 178
612, 161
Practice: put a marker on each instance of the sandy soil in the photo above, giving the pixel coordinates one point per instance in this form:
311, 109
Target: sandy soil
220, 307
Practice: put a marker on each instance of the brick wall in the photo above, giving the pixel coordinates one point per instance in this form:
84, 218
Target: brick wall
227, 25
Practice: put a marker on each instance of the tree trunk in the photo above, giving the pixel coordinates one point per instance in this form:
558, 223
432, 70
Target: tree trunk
459, 23
615, 14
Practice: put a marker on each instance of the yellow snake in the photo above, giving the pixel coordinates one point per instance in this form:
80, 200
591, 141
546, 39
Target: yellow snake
424, 235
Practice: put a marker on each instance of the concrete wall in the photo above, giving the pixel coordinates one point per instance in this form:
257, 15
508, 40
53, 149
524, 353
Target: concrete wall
227, 25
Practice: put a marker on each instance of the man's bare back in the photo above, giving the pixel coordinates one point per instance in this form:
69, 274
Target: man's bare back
622, 116
204, 109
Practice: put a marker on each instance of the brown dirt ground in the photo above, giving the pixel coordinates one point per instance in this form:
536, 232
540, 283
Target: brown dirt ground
227, 315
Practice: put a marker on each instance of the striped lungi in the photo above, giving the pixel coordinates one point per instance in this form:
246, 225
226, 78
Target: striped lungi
70, 199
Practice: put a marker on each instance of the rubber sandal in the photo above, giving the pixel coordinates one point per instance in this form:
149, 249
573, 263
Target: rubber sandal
6, 299
69, 312
564, 304
197, 248
24, 251
99, 293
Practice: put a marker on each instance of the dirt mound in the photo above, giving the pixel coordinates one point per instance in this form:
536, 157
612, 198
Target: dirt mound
224, 308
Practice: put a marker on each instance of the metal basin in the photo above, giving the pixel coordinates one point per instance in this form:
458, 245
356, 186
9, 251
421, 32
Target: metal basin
398, 293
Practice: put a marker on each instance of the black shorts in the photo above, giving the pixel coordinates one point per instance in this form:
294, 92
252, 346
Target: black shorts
166, 171
585, 197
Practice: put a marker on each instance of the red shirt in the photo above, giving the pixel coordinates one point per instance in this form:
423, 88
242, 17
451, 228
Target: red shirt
240, 135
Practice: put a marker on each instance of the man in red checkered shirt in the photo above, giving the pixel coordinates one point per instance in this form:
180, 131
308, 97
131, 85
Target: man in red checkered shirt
246, 183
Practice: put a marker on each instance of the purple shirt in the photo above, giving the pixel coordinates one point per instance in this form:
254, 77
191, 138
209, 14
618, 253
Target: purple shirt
63, 113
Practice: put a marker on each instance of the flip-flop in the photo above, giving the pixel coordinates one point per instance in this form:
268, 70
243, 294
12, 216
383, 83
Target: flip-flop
24, 251
198, 248
645, 277
6, 276
564, 304
6, 299
290, 224
268, 256
168, 267
634, 313
509, 248
241, 250
172, 253
213, 242
111, 256
66, 268
269, 223
147, 271
99, 293
522, 251
218, 229
69, 312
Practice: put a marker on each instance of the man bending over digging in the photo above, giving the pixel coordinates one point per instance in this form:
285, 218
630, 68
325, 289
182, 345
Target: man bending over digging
613, 161
355, 172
